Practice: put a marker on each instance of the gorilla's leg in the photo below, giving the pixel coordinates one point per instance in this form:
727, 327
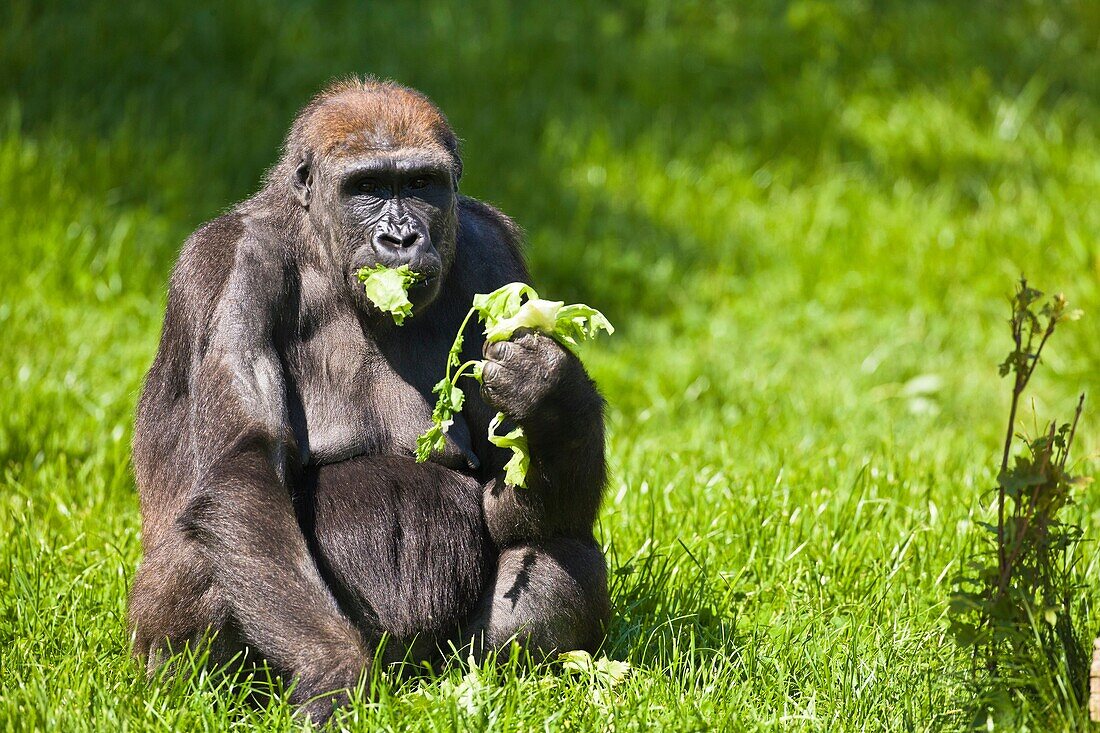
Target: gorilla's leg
176, 608
549, 596
403, 547
175, 605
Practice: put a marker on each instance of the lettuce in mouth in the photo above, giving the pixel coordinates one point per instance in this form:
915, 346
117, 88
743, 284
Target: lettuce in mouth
388, 289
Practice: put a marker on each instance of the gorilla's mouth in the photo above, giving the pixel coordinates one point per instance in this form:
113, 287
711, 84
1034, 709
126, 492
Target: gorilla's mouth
420, 293
425, 282
429, 276
424, 291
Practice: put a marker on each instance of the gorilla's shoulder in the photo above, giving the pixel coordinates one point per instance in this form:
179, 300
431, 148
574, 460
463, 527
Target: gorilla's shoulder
229, 227
230, 247
207, 256
486, 218
491, 237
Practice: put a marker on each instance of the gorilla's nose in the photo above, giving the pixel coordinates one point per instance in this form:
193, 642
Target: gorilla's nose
395, 235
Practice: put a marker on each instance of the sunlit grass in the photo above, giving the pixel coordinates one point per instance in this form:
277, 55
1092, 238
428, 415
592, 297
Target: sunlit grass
803, 219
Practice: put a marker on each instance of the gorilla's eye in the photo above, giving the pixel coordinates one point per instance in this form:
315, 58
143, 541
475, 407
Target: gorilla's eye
368, 185
419, 183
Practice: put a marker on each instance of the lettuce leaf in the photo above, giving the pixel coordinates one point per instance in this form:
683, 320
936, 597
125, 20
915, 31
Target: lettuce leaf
388, 289
515, 470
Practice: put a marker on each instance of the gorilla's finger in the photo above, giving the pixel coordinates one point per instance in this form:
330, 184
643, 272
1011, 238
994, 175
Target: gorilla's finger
500, 350
527, 338
491, 372
492, 396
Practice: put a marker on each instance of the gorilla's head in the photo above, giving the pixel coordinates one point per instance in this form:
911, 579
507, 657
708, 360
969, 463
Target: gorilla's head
375, 165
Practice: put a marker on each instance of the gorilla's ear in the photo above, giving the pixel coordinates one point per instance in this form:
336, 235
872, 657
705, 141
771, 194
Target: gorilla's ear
302, 180
450, 142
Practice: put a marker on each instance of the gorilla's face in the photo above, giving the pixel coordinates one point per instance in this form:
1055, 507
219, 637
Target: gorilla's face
390, 208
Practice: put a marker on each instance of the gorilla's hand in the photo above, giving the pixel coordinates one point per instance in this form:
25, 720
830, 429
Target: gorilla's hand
543, 387
530, 378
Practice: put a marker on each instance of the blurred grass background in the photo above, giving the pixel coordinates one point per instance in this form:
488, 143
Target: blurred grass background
804, 217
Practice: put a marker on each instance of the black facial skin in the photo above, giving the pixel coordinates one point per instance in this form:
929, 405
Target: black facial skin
284, 519
386, 209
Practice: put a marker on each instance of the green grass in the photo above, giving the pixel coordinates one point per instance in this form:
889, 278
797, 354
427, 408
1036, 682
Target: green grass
804, 218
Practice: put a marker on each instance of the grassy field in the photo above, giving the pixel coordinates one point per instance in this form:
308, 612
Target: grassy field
804, 218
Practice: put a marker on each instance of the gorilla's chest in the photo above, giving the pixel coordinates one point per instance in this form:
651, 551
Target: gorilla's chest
349, 398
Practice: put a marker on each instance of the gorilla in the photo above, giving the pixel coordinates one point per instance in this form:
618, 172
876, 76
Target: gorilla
284, 518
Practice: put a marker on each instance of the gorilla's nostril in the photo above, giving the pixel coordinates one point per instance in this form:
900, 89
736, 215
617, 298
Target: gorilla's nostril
398, 239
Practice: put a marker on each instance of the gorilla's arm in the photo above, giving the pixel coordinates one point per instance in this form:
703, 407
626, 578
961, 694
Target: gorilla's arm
539, 385
544, 388
240, 509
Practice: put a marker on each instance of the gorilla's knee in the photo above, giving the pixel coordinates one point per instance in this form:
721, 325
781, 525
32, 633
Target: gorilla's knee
549, 597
